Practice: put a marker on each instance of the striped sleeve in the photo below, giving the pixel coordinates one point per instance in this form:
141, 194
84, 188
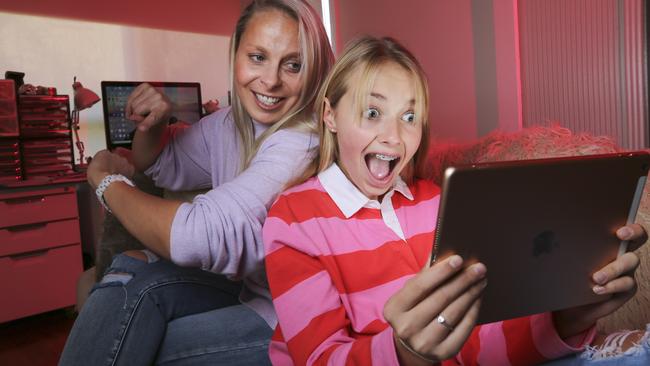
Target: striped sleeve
319, 336
523, 341
301, 284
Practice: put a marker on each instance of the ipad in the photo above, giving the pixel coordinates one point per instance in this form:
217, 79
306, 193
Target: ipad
542, 227
185, 98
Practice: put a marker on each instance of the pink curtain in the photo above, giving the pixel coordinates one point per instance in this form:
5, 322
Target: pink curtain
583, 65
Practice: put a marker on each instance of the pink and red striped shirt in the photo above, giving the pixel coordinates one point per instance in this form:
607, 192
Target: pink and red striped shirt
334, 257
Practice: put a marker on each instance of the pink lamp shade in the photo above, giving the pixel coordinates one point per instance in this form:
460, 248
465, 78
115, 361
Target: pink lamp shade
83, 98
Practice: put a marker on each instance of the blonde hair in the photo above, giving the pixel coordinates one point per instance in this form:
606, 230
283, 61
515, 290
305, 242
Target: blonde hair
368, 54
316, 60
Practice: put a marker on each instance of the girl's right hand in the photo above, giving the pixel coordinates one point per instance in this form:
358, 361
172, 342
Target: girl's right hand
444, 289
147, 107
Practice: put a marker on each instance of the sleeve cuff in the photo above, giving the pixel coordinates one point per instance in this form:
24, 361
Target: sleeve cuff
383, 348
548, 341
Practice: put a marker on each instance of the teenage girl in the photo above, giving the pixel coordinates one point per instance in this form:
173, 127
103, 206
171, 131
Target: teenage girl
348, 249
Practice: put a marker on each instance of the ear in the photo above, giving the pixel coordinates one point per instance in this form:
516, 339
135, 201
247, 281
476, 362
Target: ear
328, 116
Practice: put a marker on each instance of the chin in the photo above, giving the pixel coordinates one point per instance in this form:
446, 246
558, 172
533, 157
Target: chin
265, 117
376, 192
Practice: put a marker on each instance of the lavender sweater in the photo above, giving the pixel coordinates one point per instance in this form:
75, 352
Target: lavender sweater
221, 230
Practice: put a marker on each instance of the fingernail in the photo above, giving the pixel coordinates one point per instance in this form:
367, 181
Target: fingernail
625, 233
455, 261
600, 277
599, 289
479, 268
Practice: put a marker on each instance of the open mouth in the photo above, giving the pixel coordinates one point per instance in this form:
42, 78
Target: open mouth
266, 100
381, 166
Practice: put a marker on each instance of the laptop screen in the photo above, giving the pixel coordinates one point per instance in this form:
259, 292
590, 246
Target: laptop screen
185, 99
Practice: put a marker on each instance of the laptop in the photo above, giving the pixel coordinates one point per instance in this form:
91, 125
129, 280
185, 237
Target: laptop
541, 227
184, 96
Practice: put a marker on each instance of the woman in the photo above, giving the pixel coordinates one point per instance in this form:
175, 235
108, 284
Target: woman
140, 311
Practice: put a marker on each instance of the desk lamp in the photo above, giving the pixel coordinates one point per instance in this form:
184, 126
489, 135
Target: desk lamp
83, 99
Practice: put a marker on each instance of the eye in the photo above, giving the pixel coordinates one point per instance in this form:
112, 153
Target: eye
294, 66
408, 117
256, 57
371, 113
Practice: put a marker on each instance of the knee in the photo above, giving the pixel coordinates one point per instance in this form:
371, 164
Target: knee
144, 255
137, 254
121, 272
115, 278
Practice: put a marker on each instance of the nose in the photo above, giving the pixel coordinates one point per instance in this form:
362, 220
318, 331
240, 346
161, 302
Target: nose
271, 77
390, 133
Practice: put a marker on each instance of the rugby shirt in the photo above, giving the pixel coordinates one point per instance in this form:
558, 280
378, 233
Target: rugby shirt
334, 257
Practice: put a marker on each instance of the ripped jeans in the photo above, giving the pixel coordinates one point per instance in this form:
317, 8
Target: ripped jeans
155, 312
610, 354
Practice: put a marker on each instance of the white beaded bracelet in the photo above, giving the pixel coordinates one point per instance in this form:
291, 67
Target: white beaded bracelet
107, 182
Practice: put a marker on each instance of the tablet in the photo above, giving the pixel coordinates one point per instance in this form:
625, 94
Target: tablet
185, 98
542, 227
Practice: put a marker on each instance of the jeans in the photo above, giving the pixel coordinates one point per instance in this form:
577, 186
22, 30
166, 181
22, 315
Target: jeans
610, 355
155, 312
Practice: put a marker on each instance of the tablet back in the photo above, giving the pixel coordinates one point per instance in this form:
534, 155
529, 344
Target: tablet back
542, 227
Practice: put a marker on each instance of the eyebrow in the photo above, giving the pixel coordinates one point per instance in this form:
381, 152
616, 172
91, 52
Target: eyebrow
286, 57
259, 48
380, 96
292, 55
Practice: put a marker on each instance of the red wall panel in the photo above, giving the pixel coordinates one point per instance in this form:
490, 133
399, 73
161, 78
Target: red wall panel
199, 16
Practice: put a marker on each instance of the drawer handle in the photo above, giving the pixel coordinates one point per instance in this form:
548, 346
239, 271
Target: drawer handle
21, 200
23, 256
27, 227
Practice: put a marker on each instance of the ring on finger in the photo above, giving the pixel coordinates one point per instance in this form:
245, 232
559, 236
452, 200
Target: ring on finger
442, 321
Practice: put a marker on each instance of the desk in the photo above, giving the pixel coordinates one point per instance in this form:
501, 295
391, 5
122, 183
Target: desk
41, 244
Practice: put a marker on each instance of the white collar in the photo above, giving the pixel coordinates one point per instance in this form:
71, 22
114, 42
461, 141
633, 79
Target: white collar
347, 196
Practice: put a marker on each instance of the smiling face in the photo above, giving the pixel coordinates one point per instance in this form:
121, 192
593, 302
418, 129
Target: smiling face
267, 66
375, 145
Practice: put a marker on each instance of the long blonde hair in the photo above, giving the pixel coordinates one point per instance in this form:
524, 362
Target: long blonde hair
316, 59
368, 54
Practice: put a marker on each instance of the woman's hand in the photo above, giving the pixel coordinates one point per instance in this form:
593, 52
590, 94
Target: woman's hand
105, 163
443, 290
615, 282
147, 107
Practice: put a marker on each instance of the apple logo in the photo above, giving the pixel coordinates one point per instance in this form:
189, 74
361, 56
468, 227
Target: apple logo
544, 242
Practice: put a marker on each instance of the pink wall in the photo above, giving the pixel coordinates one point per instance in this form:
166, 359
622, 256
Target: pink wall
200, 16
53, 44
467, 48
439, 33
